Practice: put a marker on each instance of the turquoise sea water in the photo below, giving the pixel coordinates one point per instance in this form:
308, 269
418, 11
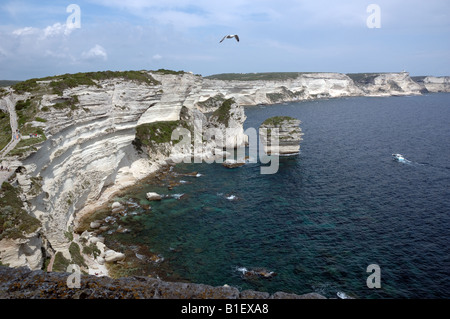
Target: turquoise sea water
340, 205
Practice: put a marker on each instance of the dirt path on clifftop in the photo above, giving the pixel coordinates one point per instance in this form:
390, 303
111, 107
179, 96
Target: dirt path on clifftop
4, 175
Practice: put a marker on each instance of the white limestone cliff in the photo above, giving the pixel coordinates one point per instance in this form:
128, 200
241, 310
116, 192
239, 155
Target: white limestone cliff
88, 156
436, 84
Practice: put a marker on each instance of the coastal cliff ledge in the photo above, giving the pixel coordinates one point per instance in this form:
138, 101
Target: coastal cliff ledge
23, 283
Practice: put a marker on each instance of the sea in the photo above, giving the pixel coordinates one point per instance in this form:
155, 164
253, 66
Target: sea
342, 216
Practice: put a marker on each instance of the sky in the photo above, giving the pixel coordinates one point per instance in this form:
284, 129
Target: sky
45, 38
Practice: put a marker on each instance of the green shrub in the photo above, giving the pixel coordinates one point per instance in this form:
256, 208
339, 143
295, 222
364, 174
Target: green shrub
164, 71
62, 82
156, 132
68, 103
91, 250
222, 114
60, 263
15, 222
40, 119
26, 86
21, 104
277, 120
75, 253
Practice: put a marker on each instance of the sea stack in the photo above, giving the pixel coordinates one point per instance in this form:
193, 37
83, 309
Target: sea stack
286, 130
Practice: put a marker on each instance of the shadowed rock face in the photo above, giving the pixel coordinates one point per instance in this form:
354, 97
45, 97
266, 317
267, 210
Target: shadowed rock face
22, 283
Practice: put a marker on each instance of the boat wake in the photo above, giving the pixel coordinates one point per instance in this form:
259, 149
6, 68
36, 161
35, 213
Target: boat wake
400, 158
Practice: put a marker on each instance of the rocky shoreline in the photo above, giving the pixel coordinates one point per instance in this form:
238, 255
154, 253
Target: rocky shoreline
23, 283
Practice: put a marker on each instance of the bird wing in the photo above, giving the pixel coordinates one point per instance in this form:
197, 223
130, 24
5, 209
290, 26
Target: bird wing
237, 38
222, 39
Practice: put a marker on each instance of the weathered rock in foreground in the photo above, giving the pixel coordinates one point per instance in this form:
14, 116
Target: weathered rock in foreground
22, 283
285, 130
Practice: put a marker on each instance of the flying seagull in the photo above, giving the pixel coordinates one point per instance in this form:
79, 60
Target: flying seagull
230, 36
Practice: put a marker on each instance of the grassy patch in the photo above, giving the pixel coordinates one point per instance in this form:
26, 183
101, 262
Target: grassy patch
264, 76
363, 78
40, 119
15, 222
164, 71
75, 253
30, 85
277, 120
156, 133
62, 82
60, 263
67, 103
59, 83
222, 114
91, 250
26, 112
5, 129
212, 102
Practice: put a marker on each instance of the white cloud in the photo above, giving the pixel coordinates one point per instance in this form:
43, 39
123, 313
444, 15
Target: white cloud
95, 52
25, 31
56, 29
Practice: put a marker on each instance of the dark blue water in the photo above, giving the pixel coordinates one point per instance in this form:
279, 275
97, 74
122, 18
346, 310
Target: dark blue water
329, 212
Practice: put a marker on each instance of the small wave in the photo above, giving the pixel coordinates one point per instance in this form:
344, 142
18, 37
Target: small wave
243, 270
198, 175
401, 159
231, 197
289, 154
177, 196
342, 295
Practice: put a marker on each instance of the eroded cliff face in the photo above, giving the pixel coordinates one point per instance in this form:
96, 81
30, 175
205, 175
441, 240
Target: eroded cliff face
89, 154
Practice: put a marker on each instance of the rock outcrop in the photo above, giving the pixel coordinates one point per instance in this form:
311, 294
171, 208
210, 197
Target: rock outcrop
25, 251
281, 135
386, 84
434, 84
22, 283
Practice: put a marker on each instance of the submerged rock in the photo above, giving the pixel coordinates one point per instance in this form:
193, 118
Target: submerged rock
256, 273
232, 164
153, 196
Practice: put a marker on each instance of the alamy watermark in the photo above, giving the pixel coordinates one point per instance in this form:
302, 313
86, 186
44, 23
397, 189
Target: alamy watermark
74, 279
74, 19
374, 280
374, 19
